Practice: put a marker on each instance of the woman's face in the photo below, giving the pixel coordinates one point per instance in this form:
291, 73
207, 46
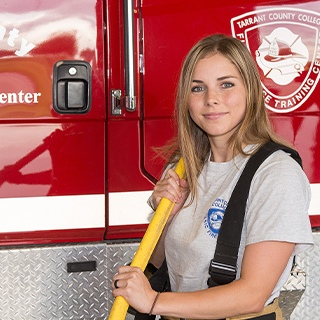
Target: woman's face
218, 97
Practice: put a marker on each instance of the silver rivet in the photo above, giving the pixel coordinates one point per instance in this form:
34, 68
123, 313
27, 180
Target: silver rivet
72, 71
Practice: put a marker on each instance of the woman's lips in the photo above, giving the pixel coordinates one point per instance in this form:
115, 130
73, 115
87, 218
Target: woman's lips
214, 115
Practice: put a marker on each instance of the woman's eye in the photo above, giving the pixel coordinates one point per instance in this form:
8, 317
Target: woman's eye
197, 89
227, 85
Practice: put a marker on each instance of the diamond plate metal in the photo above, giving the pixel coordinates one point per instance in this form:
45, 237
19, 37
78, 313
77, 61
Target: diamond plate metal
309, 304
34, 283
291, 292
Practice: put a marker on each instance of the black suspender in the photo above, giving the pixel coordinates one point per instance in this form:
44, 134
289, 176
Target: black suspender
223, 267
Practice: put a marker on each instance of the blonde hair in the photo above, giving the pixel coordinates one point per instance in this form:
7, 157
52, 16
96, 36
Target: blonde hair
192, 142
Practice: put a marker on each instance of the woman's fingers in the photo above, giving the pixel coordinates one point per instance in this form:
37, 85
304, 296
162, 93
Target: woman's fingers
124, 274
168, 188
134, 287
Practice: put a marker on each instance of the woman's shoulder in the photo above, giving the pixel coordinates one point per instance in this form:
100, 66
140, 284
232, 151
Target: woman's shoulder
281, 172
278, 159
281, 161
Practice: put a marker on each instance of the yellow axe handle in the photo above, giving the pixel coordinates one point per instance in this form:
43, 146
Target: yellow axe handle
147, 245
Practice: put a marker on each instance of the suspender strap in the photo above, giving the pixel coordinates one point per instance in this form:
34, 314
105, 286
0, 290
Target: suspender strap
223, 266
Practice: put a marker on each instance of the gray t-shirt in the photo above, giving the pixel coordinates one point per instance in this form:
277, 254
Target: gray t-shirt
277, 210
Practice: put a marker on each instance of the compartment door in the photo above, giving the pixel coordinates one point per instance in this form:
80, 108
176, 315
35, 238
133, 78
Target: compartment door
52, 121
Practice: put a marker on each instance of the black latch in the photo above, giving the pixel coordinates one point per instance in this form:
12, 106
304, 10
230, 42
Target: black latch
72, 87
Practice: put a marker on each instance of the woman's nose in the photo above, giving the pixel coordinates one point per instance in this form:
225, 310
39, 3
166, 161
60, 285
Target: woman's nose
212, 97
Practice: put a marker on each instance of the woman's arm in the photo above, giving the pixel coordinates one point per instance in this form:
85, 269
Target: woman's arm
176, 190
262, 266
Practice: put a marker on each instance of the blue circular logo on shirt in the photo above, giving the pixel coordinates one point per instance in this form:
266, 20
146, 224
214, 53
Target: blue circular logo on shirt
213, 221
214, 217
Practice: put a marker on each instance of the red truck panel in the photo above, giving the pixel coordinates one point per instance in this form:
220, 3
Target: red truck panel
47, 155
44, 153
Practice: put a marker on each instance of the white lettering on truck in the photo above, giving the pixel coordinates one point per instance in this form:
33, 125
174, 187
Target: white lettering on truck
19, 97
13, 35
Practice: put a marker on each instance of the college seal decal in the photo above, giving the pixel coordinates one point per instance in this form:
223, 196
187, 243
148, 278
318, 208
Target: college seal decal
214, 217
284, 43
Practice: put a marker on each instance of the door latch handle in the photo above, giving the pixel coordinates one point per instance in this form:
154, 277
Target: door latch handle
72, 87
118, 102
116, 105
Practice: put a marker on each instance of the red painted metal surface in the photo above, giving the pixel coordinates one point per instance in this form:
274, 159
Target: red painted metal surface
44, 153
125, 133
126, 231
52, 236
315, 221
49, 159
57, 33
48, 154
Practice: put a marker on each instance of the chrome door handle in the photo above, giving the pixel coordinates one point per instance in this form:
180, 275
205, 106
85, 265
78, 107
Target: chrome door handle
129, 100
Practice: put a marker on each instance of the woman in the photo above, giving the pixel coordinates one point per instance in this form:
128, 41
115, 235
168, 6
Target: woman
222, 121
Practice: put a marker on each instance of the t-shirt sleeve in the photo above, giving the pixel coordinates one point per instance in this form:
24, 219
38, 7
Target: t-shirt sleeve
278, 202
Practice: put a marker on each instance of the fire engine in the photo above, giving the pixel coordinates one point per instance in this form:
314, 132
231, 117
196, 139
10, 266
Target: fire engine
87, 92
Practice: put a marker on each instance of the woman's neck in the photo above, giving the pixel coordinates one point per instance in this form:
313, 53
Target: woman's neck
221, 153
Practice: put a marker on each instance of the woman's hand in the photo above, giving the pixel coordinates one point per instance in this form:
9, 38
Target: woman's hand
134, 287
173, 188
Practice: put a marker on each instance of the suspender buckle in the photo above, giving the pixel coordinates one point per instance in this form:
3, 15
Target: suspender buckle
221, 273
